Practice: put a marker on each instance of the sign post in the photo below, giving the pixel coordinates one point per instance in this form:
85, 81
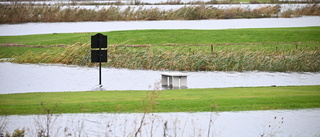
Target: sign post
99, 41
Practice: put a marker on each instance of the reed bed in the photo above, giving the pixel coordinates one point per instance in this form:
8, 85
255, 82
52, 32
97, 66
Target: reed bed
312, 10
240, 60
167, 2
297, 60
21, 13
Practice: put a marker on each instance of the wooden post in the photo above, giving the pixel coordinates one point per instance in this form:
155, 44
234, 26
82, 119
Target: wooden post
212, 48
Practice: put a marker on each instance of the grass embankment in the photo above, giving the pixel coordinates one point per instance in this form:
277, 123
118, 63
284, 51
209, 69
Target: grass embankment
21, 13
161, 37
274, 49
186, 100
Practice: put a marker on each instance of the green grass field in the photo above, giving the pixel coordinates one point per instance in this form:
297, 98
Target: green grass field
154, 37
186, 100
161, 37
264, 49
277, 56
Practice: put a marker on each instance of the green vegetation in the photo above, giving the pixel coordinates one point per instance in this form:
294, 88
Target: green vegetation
241, 60
186, 100
158, 59
47, 39
154, 37
8, 52
160, 37
21, 13
273, 49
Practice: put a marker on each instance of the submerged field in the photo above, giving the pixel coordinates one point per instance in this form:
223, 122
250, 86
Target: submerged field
187, 100
270, 49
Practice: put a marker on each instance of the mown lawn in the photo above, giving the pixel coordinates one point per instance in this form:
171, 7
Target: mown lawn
186, 100
162, 37
154, 37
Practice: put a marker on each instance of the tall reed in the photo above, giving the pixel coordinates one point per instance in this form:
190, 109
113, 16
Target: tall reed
311, 10
77, 54
240, 60
159, 59
20, 13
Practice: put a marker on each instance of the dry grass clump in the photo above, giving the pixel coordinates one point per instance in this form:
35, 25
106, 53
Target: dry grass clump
78, 54
240, 60
20, 13
311, 10
159, 59
267, 10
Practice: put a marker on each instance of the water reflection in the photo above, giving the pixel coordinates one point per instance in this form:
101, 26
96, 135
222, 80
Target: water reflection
284, 7
287, 123
21, 78
70, 27
114, 1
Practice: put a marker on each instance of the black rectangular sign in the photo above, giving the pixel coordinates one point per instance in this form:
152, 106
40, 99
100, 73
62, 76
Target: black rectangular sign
99, 41
96, 54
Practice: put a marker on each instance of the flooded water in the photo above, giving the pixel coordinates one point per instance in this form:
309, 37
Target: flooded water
283, 7
90, 1
113, 1
71, 27
282, 123
128, 3
22, 78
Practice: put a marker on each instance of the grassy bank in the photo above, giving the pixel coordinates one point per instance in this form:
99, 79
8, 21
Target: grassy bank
274, 49
162, 37
186, 100
159, 59
21, 13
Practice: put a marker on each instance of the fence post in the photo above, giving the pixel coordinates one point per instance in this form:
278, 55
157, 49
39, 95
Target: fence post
212, 48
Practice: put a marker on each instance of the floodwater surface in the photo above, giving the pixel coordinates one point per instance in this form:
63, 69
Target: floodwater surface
113, 1
71, 27
283, 7
22, 78
280, 123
